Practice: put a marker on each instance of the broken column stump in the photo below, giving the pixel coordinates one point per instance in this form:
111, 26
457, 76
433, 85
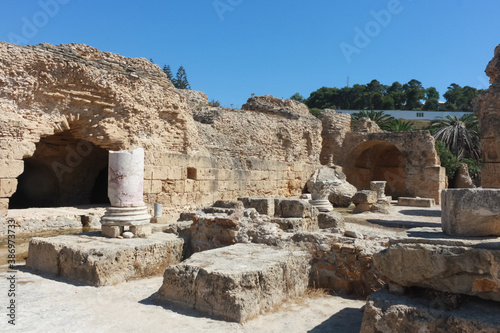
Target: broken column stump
237, 282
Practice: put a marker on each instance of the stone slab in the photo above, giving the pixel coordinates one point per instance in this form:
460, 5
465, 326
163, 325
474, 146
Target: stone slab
428, 258
385, 312
471, 212
330, 220
237, 282
416, 202
98, 261
263, 206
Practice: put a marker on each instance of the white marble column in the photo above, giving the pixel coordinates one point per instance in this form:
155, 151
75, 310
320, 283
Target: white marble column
128, 215
126, 178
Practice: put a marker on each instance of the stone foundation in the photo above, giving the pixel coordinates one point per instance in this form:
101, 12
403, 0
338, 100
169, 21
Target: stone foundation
99, 261
390, 313
236, 283
342, 264
428, 258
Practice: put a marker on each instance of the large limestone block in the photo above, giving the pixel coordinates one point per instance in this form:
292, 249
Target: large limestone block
471, 212
390, 313
428, 258
490, 175
287, 207
237, 282
11, 168
263, 206
100, 261
341, 195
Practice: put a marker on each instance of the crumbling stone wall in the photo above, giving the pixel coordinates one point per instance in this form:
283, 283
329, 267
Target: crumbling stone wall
487, 108
343, 264
407, 161
116, 103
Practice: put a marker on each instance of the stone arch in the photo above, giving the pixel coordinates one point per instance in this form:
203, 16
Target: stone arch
62, 171
377, 160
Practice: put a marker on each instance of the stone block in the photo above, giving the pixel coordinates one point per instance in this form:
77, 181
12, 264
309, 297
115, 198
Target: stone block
4, 205
11, 168
288, 207
490, 175
365, 196
111, 231
416, 202
471, 212
141, 231
330, 220
236, 283
100, 261
7, 187
385, 312
294, 224
428, 258
264, 206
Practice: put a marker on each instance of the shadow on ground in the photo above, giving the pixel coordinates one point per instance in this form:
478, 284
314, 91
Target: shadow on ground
181, 310
346, 321
401, 224
421, 212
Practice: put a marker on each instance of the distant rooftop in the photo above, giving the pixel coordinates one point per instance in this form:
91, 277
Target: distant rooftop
414, 115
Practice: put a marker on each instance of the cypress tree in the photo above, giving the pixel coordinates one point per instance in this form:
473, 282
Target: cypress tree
181, 81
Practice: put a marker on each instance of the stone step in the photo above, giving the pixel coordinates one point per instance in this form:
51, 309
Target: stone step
385, 312
98, 261
237, 282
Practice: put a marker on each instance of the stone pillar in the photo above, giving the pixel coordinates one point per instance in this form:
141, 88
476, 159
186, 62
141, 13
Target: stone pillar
379, 187
320, 190
125, 192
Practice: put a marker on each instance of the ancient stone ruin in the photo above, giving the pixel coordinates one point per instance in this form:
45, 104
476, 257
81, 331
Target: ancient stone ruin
257, 204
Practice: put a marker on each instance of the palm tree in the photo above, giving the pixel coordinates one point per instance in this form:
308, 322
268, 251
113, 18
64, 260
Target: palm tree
382, 119
460, 135
397, 125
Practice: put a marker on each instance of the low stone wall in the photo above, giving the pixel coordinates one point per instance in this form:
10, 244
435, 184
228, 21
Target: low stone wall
343, 264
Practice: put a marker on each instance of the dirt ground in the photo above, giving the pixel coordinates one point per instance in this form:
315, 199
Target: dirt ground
45, 304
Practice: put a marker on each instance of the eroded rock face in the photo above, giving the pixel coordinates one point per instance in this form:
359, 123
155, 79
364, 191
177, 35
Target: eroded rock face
471, 212
272, 105
335, 127
487, 108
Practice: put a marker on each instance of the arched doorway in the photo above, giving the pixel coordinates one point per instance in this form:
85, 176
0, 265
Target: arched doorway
63, 171
377, 160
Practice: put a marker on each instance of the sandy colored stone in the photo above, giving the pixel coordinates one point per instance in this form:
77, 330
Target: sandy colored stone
330, 220
236, 283
385, 312
471, 212
100, 261
487, 108
263, 206
416, 202
428, 258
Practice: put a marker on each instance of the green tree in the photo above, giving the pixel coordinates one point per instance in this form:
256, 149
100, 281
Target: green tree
396, 92
397, 125
181, 81
297, 97
168, 72
382, 119
415, 92
460, 98
448, 159
460, 135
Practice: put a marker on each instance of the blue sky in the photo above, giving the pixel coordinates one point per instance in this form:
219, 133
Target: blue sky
233, 48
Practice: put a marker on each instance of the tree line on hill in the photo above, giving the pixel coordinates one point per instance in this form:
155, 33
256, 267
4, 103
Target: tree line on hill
410, 96
180, 80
